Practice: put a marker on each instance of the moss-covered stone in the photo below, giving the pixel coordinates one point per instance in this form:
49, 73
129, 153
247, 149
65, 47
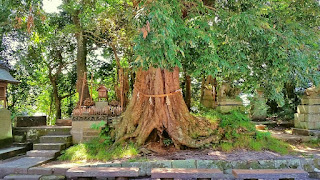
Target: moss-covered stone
307, 165
207, 164
316, 162
294, 163
281, 164
240, 164
184, 163
267, 164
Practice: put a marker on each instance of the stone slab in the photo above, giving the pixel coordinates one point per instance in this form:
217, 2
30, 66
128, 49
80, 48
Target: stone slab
49, 146
22, 177
305, 132
43, 153
21, 165
52, 177
28, 121
190, 163
11, 152
102, 172
55, 139
184, 173
308, 109
60, 170
310, 101
269, 173
40, 171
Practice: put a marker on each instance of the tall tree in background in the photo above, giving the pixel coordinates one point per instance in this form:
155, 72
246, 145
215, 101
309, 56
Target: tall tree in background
251, 42
75, 9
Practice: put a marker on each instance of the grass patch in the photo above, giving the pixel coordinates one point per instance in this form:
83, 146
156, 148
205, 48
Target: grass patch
238, 132
99, 148
95, 150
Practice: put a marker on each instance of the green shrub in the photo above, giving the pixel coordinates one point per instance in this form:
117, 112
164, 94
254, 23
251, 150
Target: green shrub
238, 132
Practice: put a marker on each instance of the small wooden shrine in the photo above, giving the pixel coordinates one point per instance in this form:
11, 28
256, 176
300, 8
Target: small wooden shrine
5, 78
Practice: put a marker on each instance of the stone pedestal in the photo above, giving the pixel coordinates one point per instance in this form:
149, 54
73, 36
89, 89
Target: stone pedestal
5, 128
81, 127
226, 105
308, 113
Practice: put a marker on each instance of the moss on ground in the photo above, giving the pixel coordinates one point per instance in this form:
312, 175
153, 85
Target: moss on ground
96, 150
238, 132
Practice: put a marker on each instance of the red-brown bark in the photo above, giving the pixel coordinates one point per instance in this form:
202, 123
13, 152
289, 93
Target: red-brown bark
165, 114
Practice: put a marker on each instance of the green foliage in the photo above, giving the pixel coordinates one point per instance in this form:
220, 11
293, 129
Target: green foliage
95, 150
167, 142
255, 43
104, 133
238, 132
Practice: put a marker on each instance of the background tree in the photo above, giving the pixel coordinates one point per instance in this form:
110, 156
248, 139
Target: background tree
251, 42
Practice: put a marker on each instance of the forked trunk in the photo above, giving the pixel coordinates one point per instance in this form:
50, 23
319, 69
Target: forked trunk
157, 108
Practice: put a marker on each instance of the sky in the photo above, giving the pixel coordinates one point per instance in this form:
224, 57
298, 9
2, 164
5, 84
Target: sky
51, 6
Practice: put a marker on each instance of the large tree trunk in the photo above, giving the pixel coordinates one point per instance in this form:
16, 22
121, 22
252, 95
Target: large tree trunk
157, 108
82, 84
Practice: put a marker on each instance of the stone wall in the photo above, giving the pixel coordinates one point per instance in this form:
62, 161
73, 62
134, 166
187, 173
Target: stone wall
310, 165
308, 114
29, 121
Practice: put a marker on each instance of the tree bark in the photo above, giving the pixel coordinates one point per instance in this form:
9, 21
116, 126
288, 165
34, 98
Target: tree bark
81, 61
188, 91
57, 102
157, 108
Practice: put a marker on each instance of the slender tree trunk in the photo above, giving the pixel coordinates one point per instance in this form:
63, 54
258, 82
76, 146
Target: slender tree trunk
188, 91
122, 85
157, 108
81, 61
57, 100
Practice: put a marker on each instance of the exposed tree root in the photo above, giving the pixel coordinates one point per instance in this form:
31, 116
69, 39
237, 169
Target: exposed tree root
157, 106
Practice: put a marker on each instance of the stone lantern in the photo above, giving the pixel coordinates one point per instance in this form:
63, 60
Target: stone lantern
102, 92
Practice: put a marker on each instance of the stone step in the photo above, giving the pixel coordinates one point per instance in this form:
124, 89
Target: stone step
60, 130
183, 173
21, 166
49, 146
43, 153
106, 172
292, 138
40, 171
270, 174
56, 139
22, 177
305, 132
9, 152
